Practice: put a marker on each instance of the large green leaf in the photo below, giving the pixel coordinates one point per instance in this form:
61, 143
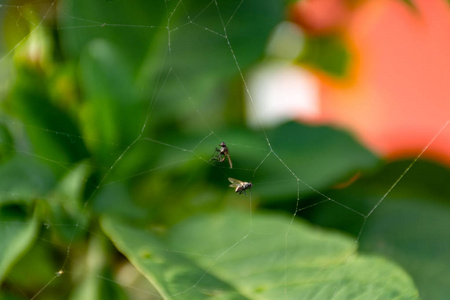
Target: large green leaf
237, 255
17, 231
410, 225
414, 233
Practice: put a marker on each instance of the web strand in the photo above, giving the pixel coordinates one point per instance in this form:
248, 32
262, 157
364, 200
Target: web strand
409, 167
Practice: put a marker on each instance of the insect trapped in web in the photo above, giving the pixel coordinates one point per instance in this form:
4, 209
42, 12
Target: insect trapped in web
223, 153
240, 186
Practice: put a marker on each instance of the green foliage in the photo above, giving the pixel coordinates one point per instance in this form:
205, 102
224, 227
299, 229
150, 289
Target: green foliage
300, 262
327, 53
23, 178
410, 3
18, 232
410, 225
309, 156
414, 233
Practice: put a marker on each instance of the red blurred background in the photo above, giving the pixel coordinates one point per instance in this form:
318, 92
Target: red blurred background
396, 96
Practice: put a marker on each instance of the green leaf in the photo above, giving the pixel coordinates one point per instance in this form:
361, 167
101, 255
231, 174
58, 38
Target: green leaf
410, 225
41, 257
414, 233
247, 39
6, 140
95, 287
182, 69
410, 3
132, 28
17, 232
24, 179
113, 113
53, 132
327, 53
319, 156
425, 180
200, 55
66, 203
122, 205
235, 255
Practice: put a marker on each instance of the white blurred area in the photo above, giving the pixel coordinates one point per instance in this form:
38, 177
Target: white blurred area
279, 90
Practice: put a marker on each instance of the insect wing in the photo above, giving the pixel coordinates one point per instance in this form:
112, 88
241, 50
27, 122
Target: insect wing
235, 182
229, 160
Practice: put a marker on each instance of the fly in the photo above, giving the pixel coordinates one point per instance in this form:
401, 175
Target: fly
223, 153
240, 186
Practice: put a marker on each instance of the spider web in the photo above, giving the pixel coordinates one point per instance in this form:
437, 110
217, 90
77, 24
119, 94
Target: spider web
169, 89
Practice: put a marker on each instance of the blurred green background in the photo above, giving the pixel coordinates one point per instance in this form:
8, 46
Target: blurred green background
110, 113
